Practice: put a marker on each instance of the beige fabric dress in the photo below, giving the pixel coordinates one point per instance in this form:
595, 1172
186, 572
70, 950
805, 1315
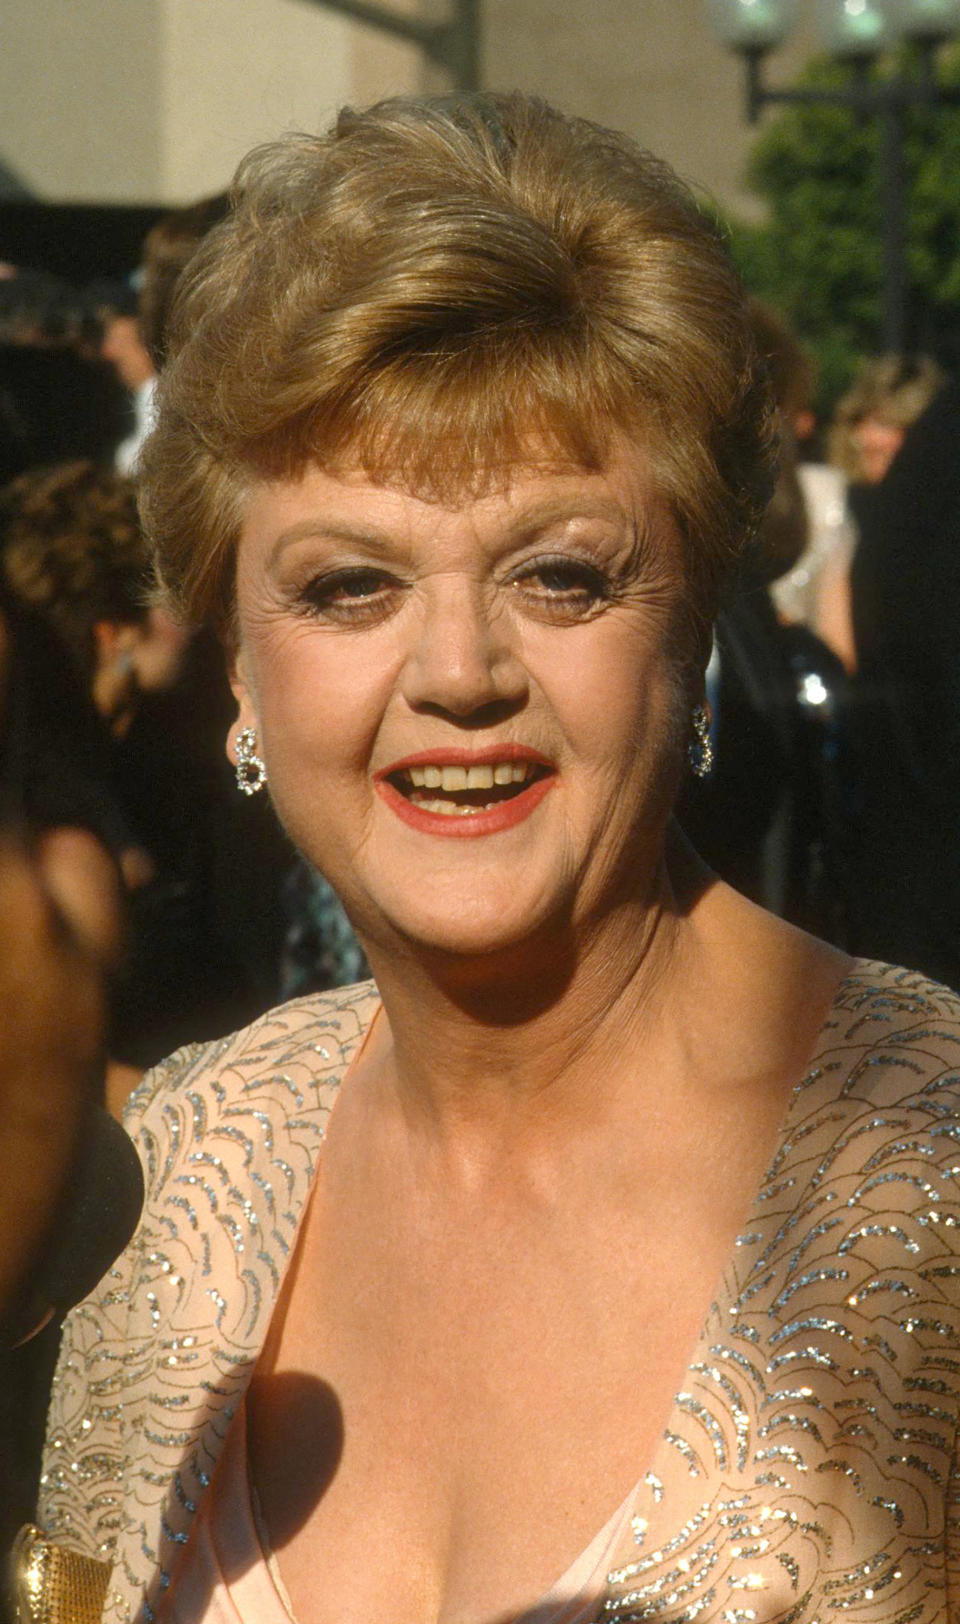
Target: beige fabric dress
808, 1468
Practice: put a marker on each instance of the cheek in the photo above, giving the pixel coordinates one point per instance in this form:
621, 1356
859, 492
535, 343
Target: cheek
317, 698
620, 699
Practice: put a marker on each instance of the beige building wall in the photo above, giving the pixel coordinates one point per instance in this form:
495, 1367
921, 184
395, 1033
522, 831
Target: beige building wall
155, 100
79, 108
650, 67
385, 66
227, 82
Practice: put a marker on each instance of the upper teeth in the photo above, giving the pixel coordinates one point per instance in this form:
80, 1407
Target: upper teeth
453, 778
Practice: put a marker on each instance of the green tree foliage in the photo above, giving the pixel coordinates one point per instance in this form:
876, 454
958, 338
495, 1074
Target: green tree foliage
819, 256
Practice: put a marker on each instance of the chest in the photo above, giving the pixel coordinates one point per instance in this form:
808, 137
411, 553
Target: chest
471, 1393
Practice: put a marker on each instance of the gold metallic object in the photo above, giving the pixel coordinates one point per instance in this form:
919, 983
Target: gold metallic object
51, 1585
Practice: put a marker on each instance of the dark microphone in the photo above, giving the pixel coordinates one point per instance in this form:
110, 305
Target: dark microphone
96, 1216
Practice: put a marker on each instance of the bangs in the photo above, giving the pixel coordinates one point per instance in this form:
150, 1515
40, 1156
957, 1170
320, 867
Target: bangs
447, 424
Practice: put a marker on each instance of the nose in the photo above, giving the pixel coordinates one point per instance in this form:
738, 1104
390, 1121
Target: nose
463, 661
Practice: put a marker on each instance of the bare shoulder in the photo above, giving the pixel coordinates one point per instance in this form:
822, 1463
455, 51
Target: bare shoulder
765, 987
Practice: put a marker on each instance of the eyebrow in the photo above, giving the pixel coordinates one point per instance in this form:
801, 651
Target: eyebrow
326, 530
525, 519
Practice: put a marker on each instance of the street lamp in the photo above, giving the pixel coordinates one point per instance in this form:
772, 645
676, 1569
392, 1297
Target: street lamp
855, 31
753, 25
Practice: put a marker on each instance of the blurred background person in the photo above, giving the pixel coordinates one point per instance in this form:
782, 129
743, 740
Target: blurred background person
905, 858
872, 418
62, 909
122, 347
812, 591
134, 330
768, 818
251, 920
74, 556
58, 399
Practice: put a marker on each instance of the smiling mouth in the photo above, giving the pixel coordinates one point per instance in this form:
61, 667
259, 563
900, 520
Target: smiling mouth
461, 792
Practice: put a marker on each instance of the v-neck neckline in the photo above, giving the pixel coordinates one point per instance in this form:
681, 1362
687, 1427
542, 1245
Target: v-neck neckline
648, 1493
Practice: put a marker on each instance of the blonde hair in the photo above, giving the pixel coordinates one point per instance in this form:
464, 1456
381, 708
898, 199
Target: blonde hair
895, 390
429, 291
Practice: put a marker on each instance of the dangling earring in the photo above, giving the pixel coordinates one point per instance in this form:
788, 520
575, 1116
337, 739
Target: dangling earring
251, 769
700, 748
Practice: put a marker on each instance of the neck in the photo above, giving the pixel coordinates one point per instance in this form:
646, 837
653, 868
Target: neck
479, 1044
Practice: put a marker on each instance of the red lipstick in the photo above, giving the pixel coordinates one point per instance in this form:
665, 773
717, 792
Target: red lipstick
484, 820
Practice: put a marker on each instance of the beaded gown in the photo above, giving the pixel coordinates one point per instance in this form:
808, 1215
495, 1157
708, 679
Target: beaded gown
808, 1469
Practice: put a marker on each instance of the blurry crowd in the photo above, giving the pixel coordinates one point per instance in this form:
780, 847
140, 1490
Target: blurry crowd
114, 718
835, 680
834, 691
113, 721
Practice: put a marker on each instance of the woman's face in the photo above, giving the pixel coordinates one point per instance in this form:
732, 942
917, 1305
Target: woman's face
471, 716
877, 444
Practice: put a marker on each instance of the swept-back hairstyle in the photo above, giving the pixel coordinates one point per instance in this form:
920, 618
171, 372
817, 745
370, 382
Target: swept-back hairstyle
435, 289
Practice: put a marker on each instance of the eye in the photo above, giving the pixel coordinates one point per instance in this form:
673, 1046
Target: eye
563, 586
358, 593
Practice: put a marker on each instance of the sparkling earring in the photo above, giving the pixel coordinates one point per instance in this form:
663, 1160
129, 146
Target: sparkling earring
700, 748
251, 769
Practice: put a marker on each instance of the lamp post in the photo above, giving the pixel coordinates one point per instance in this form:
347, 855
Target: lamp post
857, 32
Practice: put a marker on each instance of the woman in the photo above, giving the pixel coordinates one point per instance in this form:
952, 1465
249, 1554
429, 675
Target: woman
74, 554
872, 418
148, 716
461, 434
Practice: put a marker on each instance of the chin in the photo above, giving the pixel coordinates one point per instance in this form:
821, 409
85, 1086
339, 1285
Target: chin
465, 939
499, 975
455, 930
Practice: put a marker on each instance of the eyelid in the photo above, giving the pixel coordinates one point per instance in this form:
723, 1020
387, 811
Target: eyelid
343, 574
319, 594
589, 570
